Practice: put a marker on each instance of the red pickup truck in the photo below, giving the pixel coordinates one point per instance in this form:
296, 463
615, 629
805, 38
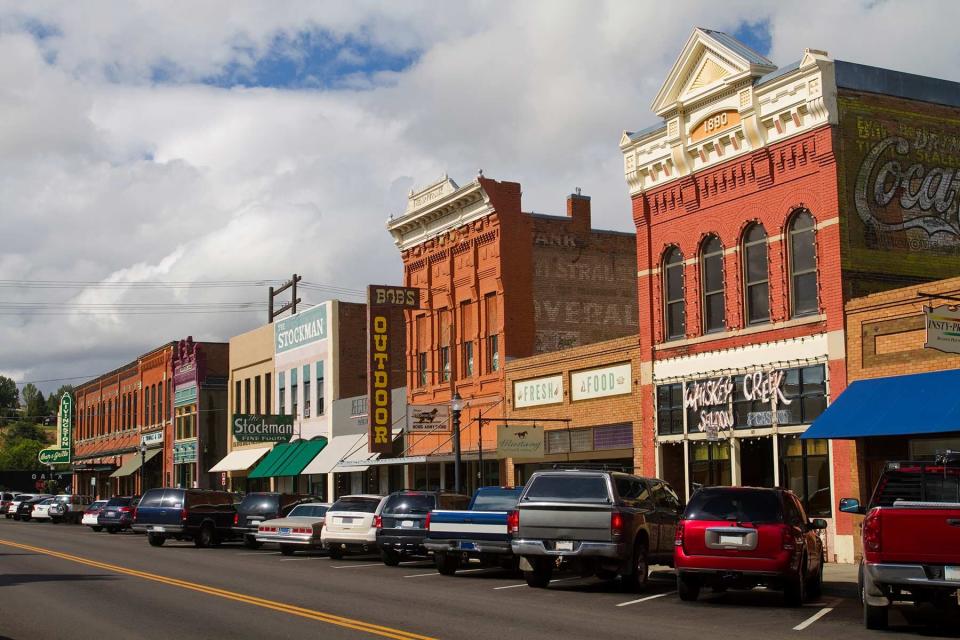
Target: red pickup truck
911, 537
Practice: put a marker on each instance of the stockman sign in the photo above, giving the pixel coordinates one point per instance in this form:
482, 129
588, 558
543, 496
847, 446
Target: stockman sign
537, 391
600, 383
519, 442
384, 306
428, 417
302, 329
943, 328
253, 428
60, 454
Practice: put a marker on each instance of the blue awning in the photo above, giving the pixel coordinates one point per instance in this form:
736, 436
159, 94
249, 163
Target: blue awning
897, 406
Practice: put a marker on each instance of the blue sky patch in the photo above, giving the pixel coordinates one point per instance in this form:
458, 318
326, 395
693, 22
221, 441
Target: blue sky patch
755, 35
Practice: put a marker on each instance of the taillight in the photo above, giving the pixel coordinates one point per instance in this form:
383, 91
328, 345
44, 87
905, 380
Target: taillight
236, 519
426, 523
183, 514
678, 536
871, 532
134, 513
377, 522
616, 523
124, 509
788, 541
513, 522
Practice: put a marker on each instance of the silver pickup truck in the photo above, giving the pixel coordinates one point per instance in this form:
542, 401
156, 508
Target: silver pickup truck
600, 523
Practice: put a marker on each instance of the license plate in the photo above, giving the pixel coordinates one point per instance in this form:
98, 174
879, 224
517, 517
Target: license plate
346, 520
565, 545
284, 531
951, 573
468, 546
731, 540
407, 524
158, 529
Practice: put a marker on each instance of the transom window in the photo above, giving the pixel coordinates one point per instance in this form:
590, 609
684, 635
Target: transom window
803, 265
756, 275
711, 270
673, 302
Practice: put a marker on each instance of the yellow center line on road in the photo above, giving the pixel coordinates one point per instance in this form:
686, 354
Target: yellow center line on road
329, 618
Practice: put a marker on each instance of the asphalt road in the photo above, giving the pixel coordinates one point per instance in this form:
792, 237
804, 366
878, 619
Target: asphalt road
65, 581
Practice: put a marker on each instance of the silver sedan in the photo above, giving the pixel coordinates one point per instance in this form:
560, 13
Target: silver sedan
300, 529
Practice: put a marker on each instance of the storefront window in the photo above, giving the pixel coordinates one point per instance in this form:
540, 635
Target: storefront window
320, 388
806, 389
670, 409
709, 464
282, 393
750, 410
805, 470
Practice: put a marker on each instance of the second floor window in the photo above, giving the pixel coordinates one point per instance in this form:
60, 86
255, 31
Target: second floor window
422, 368
711, 266
756, 275
445, 363
468, 359
293, 393
306, 391
320, 388
282, 393
803, 265
673, 301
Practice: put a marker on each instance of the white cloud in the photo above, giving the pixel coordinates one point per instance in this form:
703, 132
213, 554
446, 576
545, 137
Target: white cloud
108, 174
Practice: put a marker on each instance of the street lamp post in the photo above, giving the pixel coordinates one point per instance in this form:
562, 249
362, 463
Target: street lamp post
480, 454
456, 406
143, 457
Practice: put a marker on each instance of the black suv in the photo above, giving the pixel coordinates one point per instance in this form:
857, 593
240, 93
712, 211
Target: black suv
257, 507
401, 521
202, 515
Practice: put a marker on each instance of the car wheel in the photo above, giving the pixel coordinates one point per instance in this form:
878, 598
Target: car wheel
205, 538
874, 618
251, 543
287, 549
336, 553
447, 563
16, 517
156, 540
688, 587
815, 586
542, 572
390, 558
112, 529
97, 529
794, 591
638, 578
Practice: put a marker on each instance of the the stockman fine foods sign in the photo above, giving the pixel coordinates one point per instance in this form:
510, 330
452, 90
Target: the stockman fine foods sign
60, 454
519, 442
302, 329
251, 428
943, 328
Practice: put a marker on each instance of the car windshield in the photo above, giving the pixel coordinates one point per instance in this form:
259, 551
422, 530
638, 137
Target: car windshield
409, 503
259, 503
118, 502
355, 504
308, 511
504, 500
568, 488
735, 506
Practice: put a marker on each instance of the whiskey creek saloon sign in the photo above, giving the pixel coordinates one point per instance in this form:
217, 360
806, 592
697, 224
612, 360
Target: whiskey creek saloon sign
708, 402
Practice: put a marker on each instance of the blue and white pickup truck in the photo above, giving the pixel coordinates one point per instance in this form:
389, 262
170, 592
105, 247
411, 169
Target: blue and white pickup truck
481, 532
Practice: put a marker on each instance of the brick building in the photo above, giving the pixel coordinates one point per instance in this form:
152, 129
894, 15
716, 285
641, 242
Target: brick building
596, 387
498, 283
764, 201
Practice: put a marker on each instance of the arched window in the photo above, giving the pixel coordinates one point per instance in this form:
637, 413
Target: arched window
803, 265
756, 275
711, 273
674, 308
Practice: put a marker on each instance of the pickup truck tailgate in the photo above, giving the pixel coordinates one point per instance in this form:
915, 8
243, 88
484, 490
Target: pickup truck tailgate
468, 525
928, 533
552, 521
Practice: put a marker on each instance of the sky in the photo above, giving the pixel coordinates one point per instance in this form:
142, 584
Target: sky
149, 143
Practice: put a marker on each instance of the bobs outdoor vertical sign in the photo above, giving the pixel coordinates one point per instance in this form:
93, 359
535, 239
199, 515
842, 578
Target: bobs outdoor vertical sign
384, 307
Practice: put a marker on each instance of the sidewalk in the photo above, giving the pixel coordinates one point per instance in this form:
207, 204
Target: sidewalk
840, 579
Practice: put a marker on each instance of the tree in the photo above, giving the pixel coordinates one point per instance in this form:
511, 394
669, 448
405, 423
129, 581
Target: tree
53, 400
21, 455
37, 408
23, 430
9, 397
29, 393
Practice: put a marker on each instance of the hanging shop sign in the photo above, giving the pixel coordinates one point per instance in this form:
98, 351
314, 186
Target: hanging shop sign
600, 383
943, 328
302, 329
185, 452
257, 428
60, 454
537, 391
385, 305
519, 441
428, 417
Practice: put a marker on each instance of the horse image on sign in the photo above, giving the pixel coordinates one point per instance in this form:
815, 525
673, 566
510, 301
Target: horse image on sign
519, 442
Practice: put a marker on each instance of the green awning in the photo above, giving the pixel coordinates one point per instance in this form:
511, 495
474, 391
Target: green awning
288, 459
133, 463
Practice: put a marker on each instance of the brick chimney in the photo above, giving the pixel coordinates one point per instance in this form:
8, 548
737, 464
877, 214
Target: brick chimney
578, 210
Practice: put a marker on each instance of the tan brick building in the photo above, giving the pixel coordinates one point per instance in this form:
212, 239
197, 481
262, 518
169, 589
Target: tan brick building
596, 387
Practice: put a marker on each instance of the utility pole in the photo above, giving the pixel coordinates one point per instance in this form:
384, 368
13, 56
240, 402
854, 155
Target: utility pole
294, 300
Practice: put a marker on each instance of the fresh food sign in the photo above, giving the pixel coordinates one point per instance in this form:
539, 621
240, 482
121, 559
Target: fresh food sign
537, 391
252, 428
600, 383
299, 330
519, 442
943, 328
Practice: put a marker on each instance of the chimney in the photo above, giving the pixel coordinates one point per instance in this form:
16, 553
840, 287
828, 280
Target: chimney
578, 210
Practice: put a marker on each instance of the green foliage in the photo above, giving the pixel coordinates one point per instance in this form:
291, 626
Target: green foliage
24, 430
37, 407
9, 397
28, 393
22, 454
53, 400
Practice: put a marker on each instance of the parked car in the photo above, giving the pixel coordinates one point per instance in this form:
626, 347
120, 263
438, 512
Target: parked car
202, 515
117, 513
13, 509
6, 498
480, 532
257, 507
401, 521
596, 522
68, 508
348, 526
41, 509
92, 513
742, 537
911, 537
300, 529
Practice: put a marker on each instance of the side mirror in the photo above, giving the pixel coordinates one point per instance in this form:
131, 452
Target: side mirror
818, 524
851, 505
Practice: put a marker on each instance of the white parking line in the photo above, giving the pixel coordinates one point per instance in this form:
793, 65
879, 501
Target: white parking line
659, 595
260, 553
523, 584
809, 621
358, 566
293, 559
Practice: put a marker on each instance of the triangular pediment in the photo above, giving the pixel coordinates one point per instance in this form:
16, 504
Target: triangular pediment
709, 59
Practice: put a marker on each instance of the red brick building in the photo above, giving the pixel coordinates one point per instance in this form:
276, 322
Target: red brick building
497, 284
766, 199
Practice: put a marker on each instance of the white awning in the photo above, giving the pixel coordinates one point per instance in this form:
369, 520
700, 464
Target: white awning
357, 454
336, 450
240, 460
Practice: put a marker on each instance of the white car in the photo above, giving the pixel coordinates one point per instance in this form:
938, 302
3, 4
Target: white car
91, 516
19, 499
42, 508
300, 529
349, 525
68, 508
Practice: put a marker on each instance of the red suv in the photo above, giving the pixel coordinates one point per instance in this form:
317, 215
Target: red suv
742, 537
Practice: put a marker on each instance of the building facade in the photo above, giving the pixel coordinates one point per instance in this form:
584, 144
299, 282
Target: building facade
498, 283
764, 201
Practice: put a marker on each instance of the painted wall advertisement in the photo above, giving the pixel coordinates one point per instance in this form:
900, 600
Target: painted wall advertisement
60, 454
299, 330
943, 328
901, 180
537, 391
600, 383
519, 442
257, 428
